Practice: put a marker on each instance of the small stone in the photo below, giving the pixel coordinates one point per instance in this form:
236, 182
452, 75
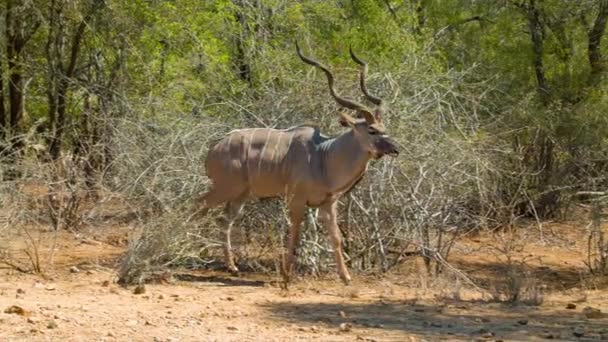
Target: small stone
489, 334
32, 320
436, 324
314, 328
578, 331
20, 291
105, 283
590, 312
342, 314
74, 269
230, 299
111, 334
548, 335
232, 328
50, 287
522, 322
139, 289
52, 325
161, 296
570, 306
17, 310
346, 327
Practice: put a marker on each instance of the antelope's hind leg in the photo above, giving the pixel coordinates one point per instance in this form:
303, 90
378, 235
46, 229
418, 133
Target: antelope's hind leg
234, 203
231, 213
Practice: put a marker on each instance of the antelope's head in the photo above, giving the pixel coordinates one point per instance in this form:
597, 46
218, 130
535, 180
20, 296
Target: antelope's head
367, 126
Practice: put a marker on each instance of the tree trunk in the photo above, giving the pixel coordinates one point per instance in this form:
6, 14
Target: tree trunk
3, 121
536, 35
15, 84
63, 86
242, 61
17, 35
420, 17
595, 35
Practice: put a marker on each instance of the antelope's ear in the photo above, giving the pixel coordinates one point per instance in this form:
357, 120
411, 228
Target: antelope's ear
346, 120
378, 114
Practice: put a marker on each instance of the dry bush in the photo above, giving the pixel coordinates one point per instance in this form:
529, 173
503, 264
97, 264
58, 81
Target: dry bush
22, 211
597, 243
167, 241
428, 196
37, 195
159, 169
515, 282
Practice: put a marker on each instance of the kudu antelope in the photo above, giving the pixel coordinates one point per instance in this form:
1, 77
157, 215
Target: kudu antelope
301, 165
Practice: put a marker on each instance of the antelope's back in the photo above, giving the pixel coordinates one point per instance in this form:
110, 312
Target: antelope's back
262, 160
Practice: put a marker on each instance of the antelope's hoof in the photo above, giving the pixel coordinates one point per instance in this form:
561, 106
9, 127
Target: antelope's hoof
286, 279
347, 281
285, 284
233, 270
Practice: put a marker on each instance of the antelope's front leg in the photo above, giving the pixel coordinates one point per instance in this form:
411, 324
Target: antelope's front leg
329, 217
296, 213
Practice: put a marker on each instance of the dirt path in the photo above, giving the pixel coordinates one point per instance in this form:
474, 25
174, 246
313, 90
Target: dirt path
85, 305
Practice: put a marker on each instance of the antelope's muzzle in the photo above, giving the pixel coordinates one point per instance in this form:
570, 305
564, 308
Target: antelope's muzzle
388, 146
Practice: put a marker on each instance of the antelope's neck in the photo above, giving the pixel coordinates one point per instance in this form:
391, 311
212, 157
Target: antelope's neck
345, 162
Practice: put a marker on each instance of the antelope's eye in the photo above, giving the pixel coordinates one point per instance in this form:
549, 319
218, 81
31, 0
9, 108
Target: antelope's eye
372, 132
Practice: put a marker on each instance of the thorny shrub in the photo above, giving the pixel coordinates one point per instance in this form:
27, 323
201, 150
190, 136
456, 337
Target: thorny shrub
422, 200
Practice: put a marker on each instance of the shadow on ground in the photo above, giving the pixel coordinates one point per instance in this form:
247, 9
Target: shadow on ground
488, 274
458, 320
218, 279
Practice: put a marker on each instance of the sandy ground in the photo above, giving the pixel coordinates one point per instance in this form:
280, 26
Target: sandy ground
77, 300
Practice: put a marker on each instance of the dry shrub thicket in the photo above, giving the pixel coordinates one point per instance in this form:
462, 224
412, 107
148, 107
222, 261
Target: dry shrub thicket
421, 201
450, 179
36, 193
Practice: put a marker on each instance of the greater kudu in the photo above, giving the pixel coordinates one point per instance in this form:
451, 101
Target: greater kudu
301, 165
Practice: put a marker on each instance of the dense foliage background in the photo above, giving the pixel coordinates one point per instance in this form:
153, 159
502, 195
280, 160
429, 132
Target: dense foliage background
499, 105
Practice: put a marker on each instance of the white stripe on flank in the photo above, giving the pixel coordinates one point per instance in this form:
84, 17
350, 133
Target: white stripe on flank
276, 146
287, 151
229, 159
262, 152
249, 149
290, 141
